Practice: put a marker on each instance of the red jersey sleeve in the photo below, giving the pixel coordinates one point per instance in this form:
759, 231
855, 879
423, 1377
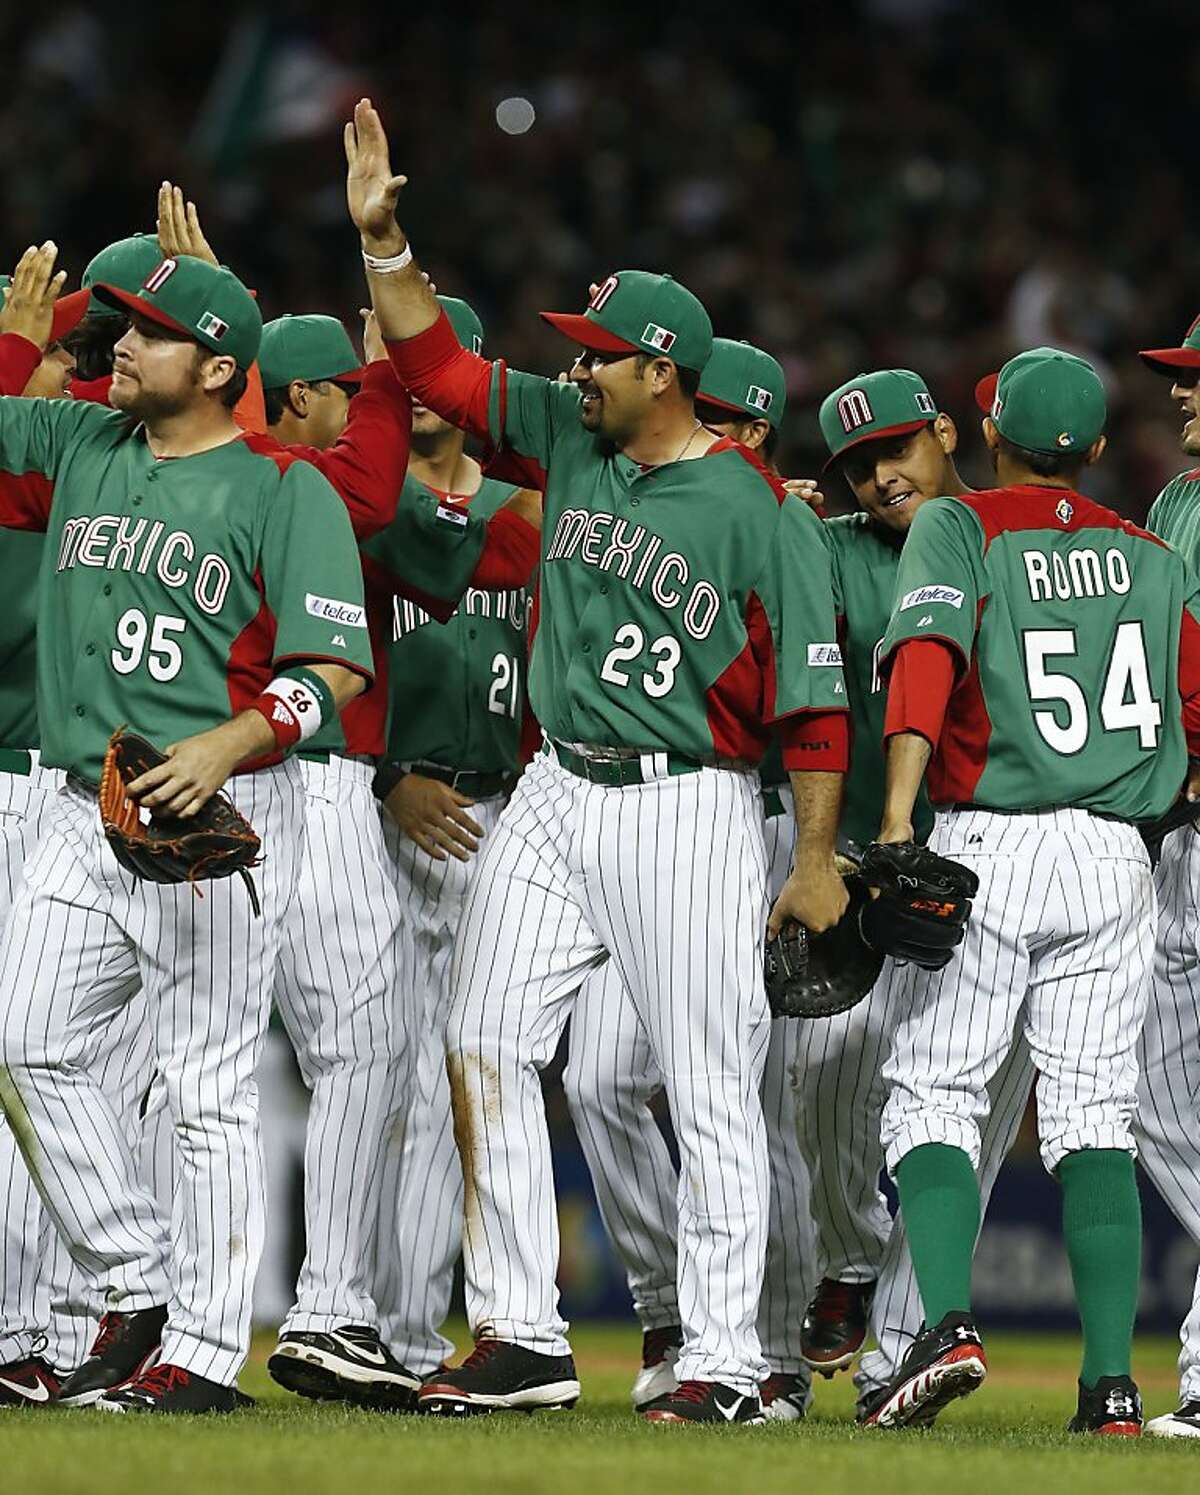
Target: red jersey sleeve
1189, 681
511, 548
18, 360
919, 690
436, 368
816, 740
366, 465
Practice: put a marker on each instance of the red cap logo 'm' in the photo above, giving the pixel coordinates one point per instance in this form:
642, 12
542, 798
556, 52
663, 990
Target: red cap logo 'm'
603, 291
854, 410
159, 276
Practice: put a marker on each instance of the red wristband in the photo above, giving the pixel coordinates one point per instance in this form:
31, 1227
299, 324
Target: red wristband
280, 717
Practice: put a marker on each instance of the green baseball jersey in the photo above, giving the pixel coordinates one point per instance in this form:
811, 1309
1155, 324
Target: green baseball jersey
864, 561
20, 562
457, 689
1175, 516
682, 606
1066, 620
172, 590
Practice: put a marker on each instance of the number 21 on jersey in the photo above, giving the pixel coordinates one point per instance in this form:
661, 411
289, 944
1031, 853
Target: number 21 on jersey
1126, 702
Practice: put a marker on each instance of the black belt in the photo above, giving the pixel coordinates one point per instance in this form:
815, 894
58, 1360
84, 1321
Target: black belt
772, 801
474, 783
615, 773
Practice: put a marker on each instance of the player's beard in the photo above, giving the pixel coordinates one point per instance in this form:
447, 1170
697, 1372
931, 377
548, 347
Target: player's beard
148, 406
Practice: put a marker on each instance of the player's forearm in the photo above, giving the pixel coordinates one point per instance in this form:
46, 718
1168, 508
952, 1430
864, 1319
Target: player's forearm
818, 800
366, 465
404, 305
18, 360
512, 545
908, 755
345, 684
444, 376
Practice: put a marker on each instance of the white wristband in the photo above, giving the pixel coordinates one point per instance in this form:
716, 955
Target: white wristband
388, 266
301, 700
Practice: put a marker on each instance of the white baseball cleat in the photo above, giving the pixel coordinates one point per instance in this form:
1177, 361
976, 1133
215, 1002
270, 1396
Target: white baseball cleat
660, 1351
1184, 1422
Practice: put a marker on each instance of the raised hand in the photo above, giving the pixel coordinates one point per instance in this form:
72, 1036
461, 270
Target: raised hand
179, 230
29, 301
372, 191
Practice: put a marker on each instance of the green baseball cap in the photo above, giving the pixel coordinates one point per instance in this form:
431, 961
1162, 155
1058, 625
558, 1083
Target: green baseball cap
888, 402
309, 348
742, 378
1167, 360
468, 329
126, 264
1046, 401
636, 311
69, 310
200, 300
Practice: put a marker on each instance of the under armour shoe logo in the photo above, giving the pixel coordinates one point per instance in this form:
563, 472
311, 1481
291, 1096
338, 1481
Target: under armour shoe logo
1120, 1404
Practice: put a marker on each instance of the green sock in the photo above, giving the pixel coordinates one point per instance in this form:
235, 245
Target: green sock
939, 1199
1102, 1231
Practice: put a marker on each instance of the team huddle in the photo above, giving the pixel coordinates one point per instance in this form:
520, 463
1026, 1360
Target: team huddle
549, 743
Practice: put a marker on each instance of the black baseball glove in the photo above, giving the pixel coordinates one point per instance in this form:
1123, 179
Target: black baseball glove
215, 842
818, 975
923, 904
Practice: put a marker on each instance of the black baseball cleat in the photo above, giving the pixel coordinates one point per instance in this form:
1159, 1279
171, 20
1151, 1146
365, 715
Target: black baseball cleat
498, 1377
785, 1397
942, 1363
835, 1326
126, 1344
660, 1350
1111, 1408
29, 1383
1184, 1422
705, 1401
167, 1388
344, 1364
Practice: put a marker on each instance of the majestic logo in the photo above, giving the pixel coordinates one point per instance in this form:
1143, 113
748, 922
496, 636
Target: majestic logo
823, 654
339, 639
925, 621
923, 596
333, 611
1064, 510
658, 337
603, 291
854, 410
925, 402
211, 325
159, 276
759, 397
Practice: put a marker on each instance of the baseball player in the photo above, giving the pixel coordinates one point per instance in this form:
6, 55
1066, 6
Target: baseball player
1038, 650
666, 644
458, 700
176, 546
611, 1076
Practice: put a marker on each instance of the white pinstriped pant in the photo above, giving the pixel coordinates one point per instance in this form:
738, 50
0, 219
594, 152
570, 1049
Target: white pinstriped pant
668, 879
610, 1079
419, 1234
348, 1022
206, 965
1060, 942
1166, 1127
42, 1291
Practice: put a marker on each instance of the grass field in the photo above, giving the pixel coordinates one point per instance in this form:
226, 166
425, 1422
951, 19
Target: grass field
1007, 1438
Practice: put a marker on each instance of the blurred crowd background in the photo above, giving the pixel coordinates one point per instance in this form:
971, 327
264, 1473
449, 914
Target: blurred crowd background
925, 183
931, 184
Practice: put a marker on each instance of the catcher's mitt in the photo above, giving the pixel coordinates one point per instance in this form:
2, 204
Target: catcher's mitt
216, 842
923, 904
818, 975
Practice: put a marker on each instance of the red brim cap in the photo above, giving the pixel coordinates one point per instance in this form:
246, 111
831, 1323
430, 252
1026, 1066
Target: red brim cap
69, 311
1167, 360
126, 299
586, 333
901, 430
985, 392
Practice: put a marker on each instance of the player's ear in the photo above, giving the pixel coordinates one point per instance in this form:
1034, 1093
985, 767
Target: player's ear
217, 370
991, 437
947, 433
297, 398
1096, 450
754, 433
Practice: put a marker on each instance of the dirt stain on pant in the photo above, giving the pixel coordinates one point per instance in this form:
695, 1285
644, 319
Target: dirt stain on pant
467, 1072
17, 1116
